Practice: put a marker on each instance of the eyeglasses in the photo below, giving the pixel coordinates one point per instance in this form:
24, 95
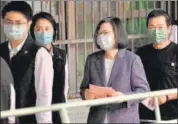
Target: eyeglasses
11, 23
104, 32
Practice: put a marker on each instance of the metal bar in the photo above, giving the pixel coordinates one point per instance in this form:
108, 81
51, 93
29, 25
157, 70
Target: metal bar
163, 5
176, 9
77, 65
76, 46
124, 17
84, 18
100, 10
147, 8
64, 116
62, 19
154, 4
75, 41
157, 110
139, 19
85, 35
92, 12
109, 8
50, 6
117, 99
33, 6
117, 13
132, 45
132, 19
41, 5
93, 26
174, 121
71, 48
76, 21
169, 7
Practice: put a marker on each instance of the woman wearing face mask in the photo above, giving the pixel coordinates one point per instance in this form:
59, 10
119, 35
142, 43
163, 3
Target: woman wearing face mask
43, 30
113, 67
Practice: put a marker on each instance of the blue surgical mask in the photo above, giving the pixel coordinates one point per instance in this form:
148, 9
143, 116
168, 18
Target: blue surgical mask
44, 38
14, 32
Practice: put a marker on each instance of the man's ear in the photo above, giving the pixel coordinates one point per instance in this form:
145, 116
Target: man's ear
29, 25
1, 22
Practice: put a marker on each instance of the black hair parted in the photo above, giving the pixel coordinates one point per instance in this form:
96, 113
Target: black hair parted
18, 6
120, 34
43, 15
159, 12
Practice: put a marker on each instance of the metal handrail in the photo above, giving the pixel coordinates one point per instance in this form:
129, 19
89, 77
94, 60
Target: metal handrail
74, 41
174, 121
62, 106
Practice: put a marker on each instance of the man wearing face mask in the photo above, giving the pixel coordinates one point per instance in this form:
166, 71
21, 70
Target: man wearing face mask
160, 60
31, 65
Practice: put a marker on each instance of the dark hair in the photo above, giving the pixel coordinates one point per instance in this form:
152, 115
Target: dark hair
157, 13
175, 22
43, 15
18, 6
119, 31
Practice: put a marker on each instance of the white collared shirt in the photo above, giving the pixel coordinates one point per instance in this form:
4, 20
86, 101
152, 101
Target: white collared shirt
14, 51
43, 80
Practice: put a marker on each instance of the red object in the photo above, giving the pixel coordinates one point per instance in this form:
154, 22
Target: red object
101, 92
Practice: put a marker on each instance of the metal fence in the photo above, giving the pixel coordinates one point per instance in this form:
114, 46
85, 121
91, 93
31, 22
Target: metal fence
62, 108
77, 21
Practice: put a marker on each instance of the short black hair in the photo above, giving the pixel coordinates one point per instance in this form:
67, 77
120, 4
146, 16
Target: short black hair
120, 34
43, 15
18, 6
157, 13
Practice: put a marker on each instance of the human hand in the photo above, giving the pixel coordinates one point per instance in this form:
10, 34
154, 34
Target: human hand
161, 100
117, 93
88, 94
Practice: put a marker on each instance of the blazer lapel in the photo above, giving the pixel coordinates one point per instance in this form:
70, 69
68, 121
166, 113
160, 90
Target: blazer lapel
117, 66
101, 68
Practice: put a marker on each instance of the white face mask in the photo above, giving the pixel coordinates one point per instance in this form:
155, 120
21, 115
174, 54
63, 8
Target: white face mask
14, 32
106, 42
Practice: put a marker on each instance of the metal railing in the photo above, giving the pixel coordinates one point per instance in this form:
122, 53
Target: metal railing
62, 108
77, 19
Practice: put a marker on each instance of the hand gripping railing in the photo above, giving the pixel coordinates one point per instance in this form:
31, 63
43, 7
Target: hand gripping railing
63, 106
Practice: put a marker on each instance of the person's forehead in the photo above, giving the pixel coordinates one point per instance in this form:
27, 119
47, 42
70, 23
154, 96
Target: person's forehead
43, 22
15, 16
160, 20
106, 26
